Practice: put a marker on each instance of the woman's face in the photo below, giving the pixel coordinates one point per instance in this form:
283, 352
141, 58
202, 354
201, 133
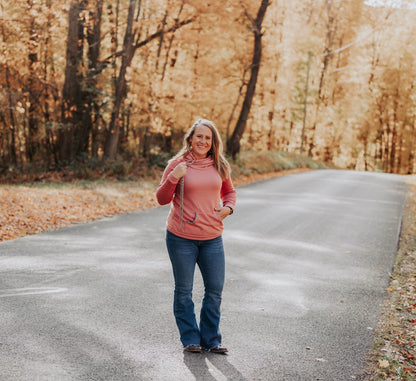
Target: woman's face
201, 141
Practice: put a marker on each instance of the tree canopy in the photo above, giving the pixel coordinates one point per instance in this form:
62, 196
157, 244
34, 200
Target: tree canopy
90, 80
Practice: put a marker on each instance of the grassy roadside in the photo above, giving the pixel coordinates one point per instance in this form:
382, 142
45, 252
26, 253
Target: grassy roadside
393, 356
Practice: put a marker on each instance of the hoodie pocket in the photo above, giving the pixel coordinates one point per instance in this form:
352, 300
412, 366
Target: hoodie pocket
210, 219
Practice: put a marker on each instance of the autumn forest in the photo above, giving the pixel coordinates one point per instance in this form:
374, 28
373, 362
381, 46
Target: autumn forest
121, 80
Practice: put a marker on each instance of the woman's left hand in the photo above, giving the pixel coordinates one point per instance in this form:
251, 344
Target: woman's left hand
223, 212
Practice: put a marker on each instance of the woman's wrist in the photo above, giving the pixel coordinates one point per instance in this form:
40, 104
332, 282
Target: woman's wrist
231, 210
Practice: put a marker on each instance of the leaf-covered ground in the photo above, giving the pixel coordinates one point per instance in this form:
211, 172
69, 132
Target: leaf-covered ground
394, 354
30, 210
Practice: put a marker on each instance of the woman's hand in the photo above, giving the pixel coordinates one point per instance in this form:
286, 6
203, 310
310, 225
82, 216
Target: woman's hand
180, 170
223, 212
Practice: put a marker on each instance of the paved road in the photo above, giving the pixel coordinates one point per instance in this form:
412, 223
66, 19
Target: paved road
308, 259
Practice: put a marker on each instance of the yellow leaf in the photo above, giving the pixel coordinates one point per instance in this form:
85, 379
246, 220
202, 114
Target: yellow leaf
383, 364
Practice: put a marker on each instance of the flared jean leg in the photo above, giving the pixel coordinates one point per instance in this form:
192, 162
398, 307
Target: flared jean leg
209, 255
211, 263
183, 255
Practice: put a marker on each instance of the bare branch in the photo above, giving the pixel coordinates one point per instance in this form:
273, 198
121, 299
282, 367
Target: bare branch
138, 44
161, 31
253, 22
256, 23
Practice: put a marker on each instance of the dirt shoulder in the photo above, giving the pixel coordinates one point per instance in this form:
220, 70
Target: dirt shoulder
394, 351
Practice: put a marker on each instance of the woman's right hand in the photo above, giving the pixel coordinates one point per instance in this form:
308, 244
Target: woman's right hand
180, 170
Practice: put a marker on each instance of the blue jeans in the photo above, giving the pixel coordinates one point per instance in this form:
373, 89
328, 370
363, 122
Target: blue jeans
184, 254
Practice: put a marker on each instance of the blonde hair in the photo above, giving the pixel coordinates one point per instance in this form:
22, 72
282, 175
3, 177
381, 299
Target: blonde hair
216, 151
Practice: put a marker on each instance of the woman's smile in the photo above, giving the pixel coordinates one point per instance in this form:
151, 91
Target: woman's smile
201, 142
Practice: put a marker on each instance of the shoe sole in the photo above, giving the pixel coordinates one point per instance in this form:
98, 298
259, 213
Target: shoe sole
193, 350
221, 352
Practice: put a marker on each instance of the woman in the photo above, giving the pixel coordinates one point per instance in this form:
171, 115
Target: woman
195, 181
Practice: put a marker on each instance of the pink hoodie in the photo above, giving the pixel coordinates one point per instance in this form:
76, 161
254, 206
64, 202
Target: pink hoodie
203, 189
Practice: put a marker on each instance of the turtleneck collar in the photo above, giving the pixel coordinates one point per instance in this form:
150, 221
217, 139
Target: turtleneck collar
199, 163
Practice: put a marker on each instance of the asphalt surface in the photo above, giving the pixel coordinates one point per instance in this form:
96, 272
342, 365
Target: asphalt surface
308, 259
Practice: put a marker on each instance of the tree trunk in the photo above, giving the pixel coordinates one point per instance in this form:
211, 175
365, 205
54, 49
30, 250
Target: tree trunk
82, 120
47, 139
399, 160
170, 44
305, 103
233, 144
129, 48
32, 145
162, 37
237, 102
331, 26
12, 127
393, 149
412, 153
71, 91
111, 142
92, 108
79, 97
386, 151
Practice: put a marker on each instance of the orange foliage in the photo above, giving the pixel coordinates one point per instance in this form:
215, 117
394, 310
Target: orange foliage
361, 85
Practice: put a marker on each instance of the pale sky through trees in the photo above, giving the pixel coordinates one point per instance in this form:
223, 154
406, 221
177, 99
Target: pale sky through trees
403, 4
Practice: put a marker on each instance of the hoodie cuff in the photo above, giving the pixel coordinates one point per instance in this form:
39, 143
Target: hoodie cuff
172, 178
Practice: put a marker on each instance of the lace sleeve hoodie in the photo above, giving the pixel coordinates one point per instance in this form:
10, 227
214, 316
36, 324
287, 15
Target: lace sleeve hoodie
193, 216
